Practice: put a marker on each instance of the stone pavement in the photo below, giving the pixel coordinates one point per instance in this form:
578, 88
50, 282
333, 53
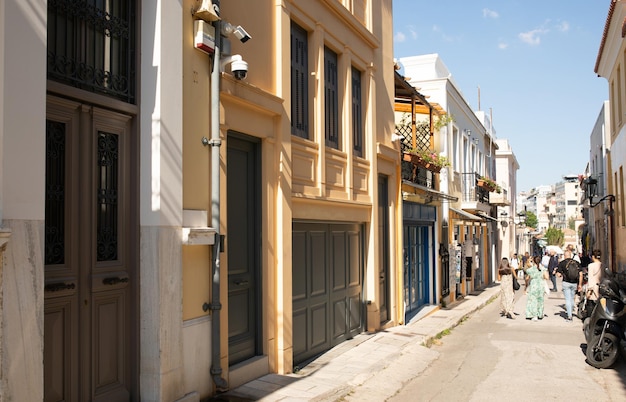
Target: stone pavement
369, 367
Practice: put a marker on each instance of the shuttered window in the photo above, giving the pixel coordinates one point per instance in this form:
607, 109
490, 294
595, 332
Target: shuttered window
357, 113
331, 99
299, 82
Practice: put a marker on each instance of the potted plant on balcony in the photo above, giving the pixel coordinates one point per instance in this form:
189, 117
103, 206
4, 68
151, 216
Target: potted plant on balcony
427, 158
487, 183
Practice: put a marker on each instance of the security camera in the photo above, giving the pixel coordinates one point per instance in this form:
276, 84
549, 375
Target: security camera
241, 34
238, 31
238, 66
239, 69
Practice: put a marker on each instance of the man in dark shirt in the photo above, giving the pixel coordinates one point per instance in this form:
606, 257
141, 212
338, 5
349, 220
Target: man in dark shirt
570, 285
552, 265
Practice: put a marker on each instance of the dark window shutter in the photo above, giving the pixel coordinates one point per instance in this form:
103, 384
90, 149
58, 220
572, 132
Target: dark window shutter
299, 82
357, 113
331, 99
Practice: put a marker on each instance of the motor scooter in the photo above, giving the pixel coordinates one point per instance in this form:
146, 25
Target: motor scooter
586, 303
605, 329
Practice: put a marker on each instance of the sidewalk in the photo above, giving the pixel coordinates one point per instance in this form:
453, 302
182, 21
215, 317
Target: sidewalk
370, 367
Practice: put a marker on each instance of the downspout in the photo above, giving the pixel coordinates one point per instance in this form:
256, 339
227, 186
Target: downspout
216, 370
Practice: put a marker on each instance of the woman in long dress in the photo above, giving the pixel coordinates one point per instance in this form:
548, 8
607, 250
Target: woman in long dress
507, 294
536, 276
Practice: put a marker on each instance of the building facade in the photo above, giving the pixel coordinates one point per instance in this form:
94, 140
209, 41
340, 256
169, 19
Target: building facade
178, 227
509, 225
610, 65
596, 231
470, 147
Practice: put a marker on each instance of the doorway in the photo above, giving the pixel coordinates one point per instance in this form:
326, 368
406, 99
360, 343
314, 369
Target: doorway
90, 309
417, 265
243, 245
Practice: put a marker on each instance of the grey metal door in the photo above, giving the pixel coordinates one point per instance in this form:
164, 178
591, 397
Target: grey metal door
383, 248
327, 286
243, 244
89, 332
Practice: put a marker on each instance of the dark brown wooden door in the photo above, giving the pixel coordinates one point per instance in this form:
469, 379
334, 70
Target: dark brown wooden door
89, 337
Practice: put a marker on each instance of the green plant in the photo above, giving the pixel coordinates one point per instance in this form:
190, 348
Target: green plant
431, 156
488, 181
442, 121
555, 236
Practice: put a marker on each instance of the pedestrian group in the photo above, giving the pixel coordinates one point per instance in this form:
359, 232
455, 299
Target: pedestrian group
580, 277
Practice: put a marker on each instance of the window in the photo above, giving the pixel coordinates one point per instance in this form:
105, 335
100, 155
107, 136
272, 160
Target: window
331, 99
299, 82
92, 46
455, 149
357, 113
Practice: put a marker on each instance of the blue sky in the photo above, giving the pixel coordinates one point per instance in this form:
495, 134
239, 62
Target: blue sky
533, 61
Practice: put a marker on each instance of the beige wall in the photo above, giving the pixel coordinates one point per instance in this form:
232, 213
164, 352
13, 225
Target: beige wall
613, 68
22, 175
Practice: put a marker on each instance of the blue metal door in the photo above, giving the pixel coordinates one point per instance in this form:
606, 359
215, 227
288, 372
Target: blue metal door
416, 268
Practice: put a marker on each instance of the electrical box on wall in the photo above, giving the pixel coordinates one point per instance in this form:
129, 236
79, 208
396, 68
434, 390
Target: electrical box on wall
204, 36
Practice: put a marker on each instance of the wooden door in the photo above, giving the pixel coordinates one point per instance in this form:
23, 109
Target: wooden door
90, 232
243, 243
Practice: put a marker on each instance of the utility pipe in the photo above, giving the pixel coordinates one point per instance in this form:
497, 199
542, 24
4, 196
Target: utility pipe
216, 306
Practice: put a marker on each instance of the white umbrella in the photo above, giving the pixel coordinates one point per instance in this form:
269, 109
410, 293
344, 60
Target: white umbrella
554, 248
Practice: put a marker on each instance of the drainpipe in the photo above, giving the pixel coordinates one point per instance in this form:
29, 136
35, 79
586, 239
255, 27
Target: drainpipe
216, 370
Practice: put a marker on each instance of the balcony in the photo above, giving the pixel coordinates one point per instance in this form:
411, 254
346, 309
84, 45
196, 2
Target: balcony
475, 195
500, 199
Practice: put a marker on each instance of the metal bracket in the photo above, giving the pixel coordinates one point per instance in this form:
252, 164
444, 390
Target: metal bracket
212, 142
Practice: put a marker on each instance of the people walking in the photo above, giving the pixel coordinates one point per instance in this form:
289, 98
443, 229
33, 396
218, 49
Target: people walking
594, 275
507, 293
553, 263
517, 270
536, 274
569, 270
525, 259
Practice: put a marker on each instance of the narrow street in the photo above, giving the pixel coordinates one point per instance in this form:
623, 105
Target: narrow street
492, 358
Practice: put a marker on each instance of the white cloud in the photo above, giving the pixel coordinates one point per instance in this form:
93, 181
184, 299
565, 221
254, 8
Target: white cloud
502, 45
399, 37
563, 26
487, 13
532, 37
413, 33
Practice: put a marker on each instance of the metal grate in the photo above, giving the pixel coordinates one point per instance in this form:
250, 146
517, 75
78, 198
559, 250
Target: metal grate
92, 46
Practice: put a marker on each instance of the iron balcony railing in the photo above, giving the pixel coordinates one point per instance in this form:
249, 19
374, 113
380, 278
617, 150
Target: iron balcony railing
472, 192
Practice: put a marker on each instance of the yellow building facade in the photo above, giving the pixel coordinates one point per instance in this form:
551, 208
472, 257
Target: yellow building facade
308, 195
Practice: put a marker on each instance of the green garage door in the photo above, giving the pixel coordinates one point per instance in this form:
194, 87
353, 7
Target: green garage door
327, 286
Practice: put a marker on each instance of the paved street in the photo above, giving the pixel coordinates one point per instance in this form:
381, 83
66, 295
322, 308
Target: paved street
490, 358
476, 355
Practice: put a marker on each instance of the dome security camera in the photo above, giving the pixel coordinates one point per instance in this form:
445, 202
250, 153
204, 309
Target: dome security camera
239, 69
238, 66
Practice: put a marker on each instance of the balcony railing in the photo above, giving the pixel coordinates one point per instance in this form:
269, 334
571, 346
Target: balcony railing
418, 175
472, 192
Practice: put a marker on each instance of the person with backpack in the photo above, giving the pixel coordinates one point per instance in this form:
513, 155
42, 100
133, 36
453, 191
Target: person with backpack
569, 270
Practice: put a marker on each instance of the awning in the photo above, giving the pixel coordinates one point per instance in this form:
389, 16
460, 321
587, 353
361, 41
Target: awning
488, 217
434, 195
466, 214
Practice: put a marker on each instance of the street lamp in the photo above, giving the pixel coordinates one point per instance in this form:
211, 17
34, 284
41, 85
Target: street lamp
590, 187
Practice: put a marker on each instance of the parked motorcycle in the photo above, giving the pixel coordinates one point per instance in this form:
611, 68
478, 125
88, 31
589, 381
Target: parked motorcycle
585, 305
605, 329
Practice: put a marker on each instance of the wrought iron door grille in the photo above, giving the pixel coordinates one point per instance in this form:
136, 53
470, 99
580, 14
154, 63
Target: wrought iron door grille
91, 45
